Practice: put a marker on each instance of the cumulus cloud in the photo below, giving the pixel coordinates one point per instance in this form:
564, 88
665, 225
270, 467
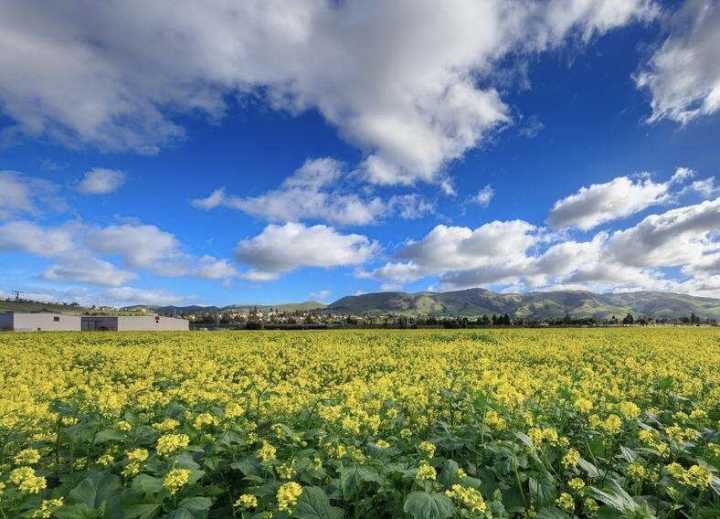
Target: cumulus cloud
31, 238
89, 270
321, 191
407, 82
601, 203
484, 196
495, 245
281, 248
683, 76
79, 247
117, 296
140, 296
101, 181
519, 255
20, 194
681, 236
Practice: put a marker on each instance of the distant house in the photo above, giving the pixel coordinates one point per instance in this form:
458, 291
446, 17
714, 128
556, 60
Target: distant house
39, 322
126, 323
46, 321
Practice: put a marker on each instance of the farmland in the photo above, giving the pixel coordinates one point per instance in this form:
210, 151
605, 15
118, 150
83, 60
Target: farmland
360, 424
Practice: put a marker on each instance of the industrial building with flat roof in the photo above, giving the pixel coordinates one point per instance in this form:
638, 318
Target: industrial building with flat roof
45, 321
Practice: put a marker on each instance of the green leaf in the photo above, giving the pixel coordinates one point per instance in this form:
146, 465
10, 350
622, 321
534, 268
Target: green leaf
352, 479
314, 504
108, 435
147, 484
96, 489
423, 505
448, 473
552, 513
248, 466
590, 469
196, 504
180, 513
141, 511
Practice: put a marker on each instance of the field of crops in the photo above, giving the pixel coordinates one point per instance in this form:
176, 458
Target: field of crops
361, 424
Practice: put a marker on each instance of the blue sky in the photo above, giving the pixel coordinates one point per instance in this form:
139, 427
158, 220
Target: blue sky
268, 153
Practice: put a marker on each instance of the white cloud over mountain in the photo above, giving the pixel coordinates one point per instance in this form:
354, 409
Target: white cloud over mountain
279, 249
116, 74
518, 254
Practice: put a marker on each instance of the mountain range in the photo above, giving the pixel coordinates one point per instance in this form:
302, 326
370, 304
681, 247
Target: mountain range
471, 302
535, 305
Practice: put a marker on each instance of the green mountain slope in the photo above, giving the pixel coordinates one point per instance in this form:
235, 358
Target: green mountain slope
536, 305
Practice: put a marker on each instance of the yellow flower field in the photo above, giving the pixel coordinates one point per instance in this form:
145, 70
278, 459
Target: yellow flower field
361, 424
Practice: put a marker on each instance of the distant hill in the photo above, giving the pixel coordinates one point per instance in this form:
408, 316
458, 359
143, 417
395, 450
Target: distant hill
535, 305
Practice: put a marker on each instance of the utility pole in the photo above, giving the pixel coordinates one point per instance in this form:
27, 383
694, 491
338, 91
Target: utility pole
17, 295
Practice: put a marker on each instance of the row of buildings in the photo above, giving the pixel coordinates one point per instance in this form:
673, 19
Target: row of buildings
47, 321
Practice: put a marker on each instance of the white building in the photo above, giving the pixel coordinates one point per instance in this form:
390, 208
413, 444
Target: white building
126, 323
39, 322
45, 321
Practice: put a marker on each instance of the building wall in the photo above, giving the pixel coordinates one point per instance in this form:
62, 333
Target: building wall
23, 322
6, 321
151, 323
99, 323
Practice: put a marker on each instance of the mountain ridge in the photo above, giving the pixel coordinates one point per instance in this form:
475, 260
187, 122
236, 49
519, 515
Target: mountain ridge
533, 305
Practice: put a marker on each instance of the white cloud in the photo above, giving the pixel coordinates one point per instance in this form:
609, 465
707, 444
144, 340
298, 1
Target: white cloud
484, 196
683, 76
493, 246
138, 296
677, 237
20, 194
101, 181
77, 246
140, 246
89, 270
28, 237
601, 203
281, 248
410, 84
518, 255
319, 191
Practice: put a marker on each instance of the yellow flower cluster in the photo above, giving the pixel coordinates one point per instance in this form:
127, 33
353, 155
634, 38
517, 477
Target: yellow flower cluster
48, 508
246, 502
176, 479
288, 495
25, 479
171, 443
467, 497
425, 472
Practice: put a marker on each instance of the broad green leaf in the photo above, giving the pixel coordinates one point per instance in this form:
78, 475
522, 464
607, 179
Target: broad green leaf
314, 504
147, 484
423, 505
108, 435
180, 513
96, 489
196, 504
352, 478
448, 472
141, 511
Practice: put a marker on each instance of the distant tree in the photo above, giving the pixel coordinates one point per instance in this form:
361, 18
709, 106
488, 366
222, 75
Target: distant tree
629, 319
